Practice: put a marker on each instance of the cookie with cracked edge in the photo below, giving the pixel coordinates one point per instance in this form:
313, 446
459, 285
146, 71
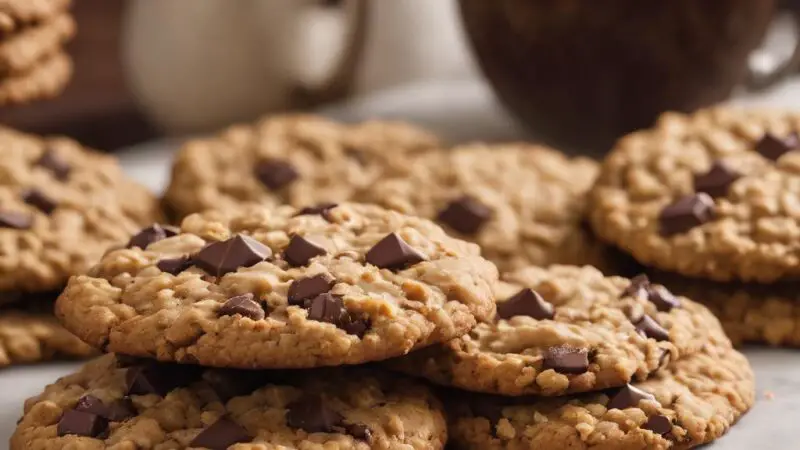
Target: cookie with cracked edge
281, 288
44, 80
16, 15
523, 204
711, 195
104, 405
61, 207
693, 402
22, 51
568, 329
29, 337
299, 160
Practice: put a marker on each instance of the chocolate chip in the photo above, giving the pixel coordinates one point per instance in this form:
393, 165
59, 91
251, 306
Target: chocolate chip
565, 359
243, 305
662, 298
55, 164
637, 288
393, 253
772, 147
359, 431
658, 424
465, 215
651, 329
275, 174
81, 423
151, 234
15, 220
525, 303
116, 411
300, 251
686, 213
717, 180
220, 435
312, 414
38, 200
229, 383
628, 396
307, 288
160, 379
174, 266
323, 209
219, 258
354, 326
326, 308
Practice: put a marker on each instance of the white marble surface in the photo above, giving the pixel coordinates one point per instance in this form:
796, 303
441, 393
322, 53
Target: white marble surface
465, 111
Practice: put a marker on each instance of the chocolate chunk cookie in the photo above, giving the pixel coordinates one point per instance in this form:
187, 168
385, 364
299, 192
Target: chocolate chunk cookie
22, 51
710, 195
61, 207
295, 159
694, 401
522, 204
149, 405
569, 329
47, 78
28, 337
284, 288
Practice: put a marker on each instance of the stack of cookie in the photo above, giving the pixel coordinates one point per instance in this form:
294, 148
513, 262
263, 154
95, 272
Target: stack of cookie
61, 206
33, 63
709, 203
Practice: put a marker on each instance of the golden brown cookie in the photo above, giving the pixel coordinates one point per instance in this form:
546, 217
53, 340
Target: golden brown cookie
29, 337
44, 80
22, 51
18, 14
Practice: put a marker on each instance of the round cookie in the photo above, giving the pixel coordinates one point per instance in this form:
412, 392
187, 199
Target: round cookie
17, 14
523, 204
692, 402
22, 51
710, 195
61, 207
155, 405
284, 288
44, 80
569, 329
28, 337
292, 159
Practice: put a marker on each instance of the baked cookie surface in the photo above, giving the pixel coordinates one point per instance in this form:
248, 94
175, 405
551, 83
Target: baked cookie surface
711, 195
283, 288
62, 207
17, 14
22, 51
692, 402
292, 159
44, 80
523, 204
157, 406
569, 329
29, 337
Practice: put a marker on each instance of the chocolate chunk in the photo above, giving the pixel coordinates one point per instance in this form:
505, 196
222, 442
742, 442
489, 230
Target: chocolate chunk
686, 213
717, 180
326, 308
38, 200
15, 220
219, 258
220, 435
312, 414
81, 423
648, 327
55, 164
525, 303
359, 431
465, 215
116, 411
229, 383
275, 174
243, 305
638, 287
565, 359
658, 424
662, 298
307, 288
174, 266
151, 234
354, 326
323, 209
393, 253
160, 379
300, 251
628, 396
772, 147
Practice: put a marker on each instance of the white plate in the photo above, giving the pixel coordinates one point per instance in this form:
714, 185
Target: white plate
465, 111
